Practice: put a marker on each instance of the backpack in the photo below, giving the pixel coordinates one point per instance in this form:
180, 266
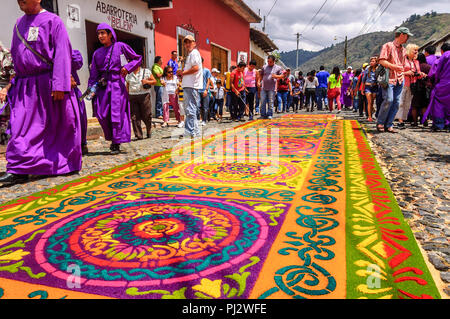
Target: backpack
382, 76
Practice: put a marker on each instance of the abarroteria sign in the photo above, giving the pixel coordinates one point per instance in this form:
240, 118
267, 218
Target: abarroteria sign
118, 18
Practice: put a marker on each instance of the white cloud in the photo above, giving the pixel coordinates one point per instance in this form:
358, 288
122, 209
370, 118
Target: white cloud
338, 18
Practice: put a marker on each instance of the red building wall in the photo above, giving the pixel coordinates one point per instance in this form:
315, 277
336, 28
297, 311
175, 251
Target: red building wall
212, 19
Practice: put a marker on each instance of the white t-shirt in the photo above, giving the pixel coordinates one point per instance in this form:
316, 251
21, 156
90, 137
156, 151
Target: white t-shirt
194, 81
134, 81
220, 93
311, 84
214, 88
170, 88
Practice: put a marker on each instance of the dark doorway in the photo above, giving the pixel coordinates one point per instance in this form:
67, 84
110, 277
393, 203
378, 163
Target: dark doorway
50, 5
137, 43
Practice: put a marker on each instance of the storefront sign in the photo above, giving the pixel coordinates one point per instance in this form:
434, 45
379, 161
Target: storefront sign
118, 18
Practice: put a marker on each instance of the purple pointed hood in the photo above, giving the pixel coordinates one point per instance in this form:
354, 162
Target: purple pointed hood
105, 26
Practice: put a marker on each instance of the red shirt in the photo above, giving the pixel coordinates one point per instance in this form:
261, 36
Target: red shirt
283, 84
238, 82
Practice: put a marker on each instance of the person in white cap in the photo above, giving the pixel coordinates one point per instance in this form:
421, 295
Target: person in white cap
192, 76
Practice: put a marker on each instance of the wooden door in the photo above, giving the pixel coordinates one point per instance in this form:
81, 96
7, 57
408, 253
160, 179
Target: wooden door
219, 59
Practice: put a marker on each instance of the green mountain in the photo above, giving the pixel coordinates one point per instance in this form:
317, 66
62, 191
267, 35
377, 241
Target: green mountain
290, 58
431, 26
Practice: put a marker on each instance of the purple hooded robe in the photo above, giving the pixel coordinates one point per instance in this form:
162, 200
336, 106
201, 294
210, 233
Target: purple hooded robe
77, 64
111, 105
346, 81
45, 134
439, 107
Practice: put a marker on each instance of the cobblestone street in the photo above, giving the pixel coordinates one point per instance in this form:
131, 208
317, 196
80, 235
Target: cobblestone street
414, 161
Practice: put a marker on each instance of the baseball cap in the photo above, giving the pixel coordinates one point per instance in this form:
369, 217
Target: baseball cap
365, 64
189, 37
404, 30
349, 67
215, 70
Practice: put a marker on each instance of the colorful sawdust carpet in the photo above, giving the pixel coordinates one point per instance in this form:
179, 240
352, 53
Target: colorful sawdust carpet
286, 208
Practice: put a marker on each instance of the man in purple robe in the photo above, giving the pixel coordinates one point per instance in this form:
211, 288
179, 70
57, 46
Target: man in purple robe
45, 123
439, 107
346, 98
77, 64
430, 54
113, 62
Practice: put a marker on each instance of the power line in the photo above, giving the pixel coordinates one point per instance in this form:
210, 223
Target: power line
315, 15
266, 16
315, 42
379, 16
372, 16
272, 8
325, 14
375, 16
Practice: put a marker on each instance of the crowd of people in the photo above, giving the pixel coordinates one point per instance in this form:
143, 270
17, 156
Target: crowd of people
400, 85
47, 113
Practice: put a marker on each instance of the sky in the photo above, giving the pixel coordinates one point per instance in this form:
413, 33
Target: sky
336, 19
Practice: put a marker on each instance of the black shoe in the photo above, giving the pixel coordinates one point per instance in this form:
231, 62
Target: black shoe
115, 149
9, 179
84, 150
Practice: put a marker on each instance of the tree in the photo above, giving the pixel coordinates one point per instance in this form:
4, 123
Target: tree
276, 54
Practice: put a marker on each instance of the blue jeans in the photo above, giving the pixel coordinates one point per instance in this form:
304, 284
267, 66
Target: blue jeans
266, 105
257, 103
379, 101
228, 101
321, 94
356, 103
391, 102
158, 101
212, 107
204, 105
282, 98
250, 96
237, 108
191, 103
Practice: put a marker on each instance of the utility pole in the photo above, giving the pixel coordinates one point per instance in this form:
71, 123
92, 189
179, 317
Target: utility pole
345, 53
298, 42
264, 24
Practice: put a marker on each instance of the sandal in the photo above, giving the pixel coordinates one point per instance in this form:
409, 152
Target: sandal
391, 130
380, 128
